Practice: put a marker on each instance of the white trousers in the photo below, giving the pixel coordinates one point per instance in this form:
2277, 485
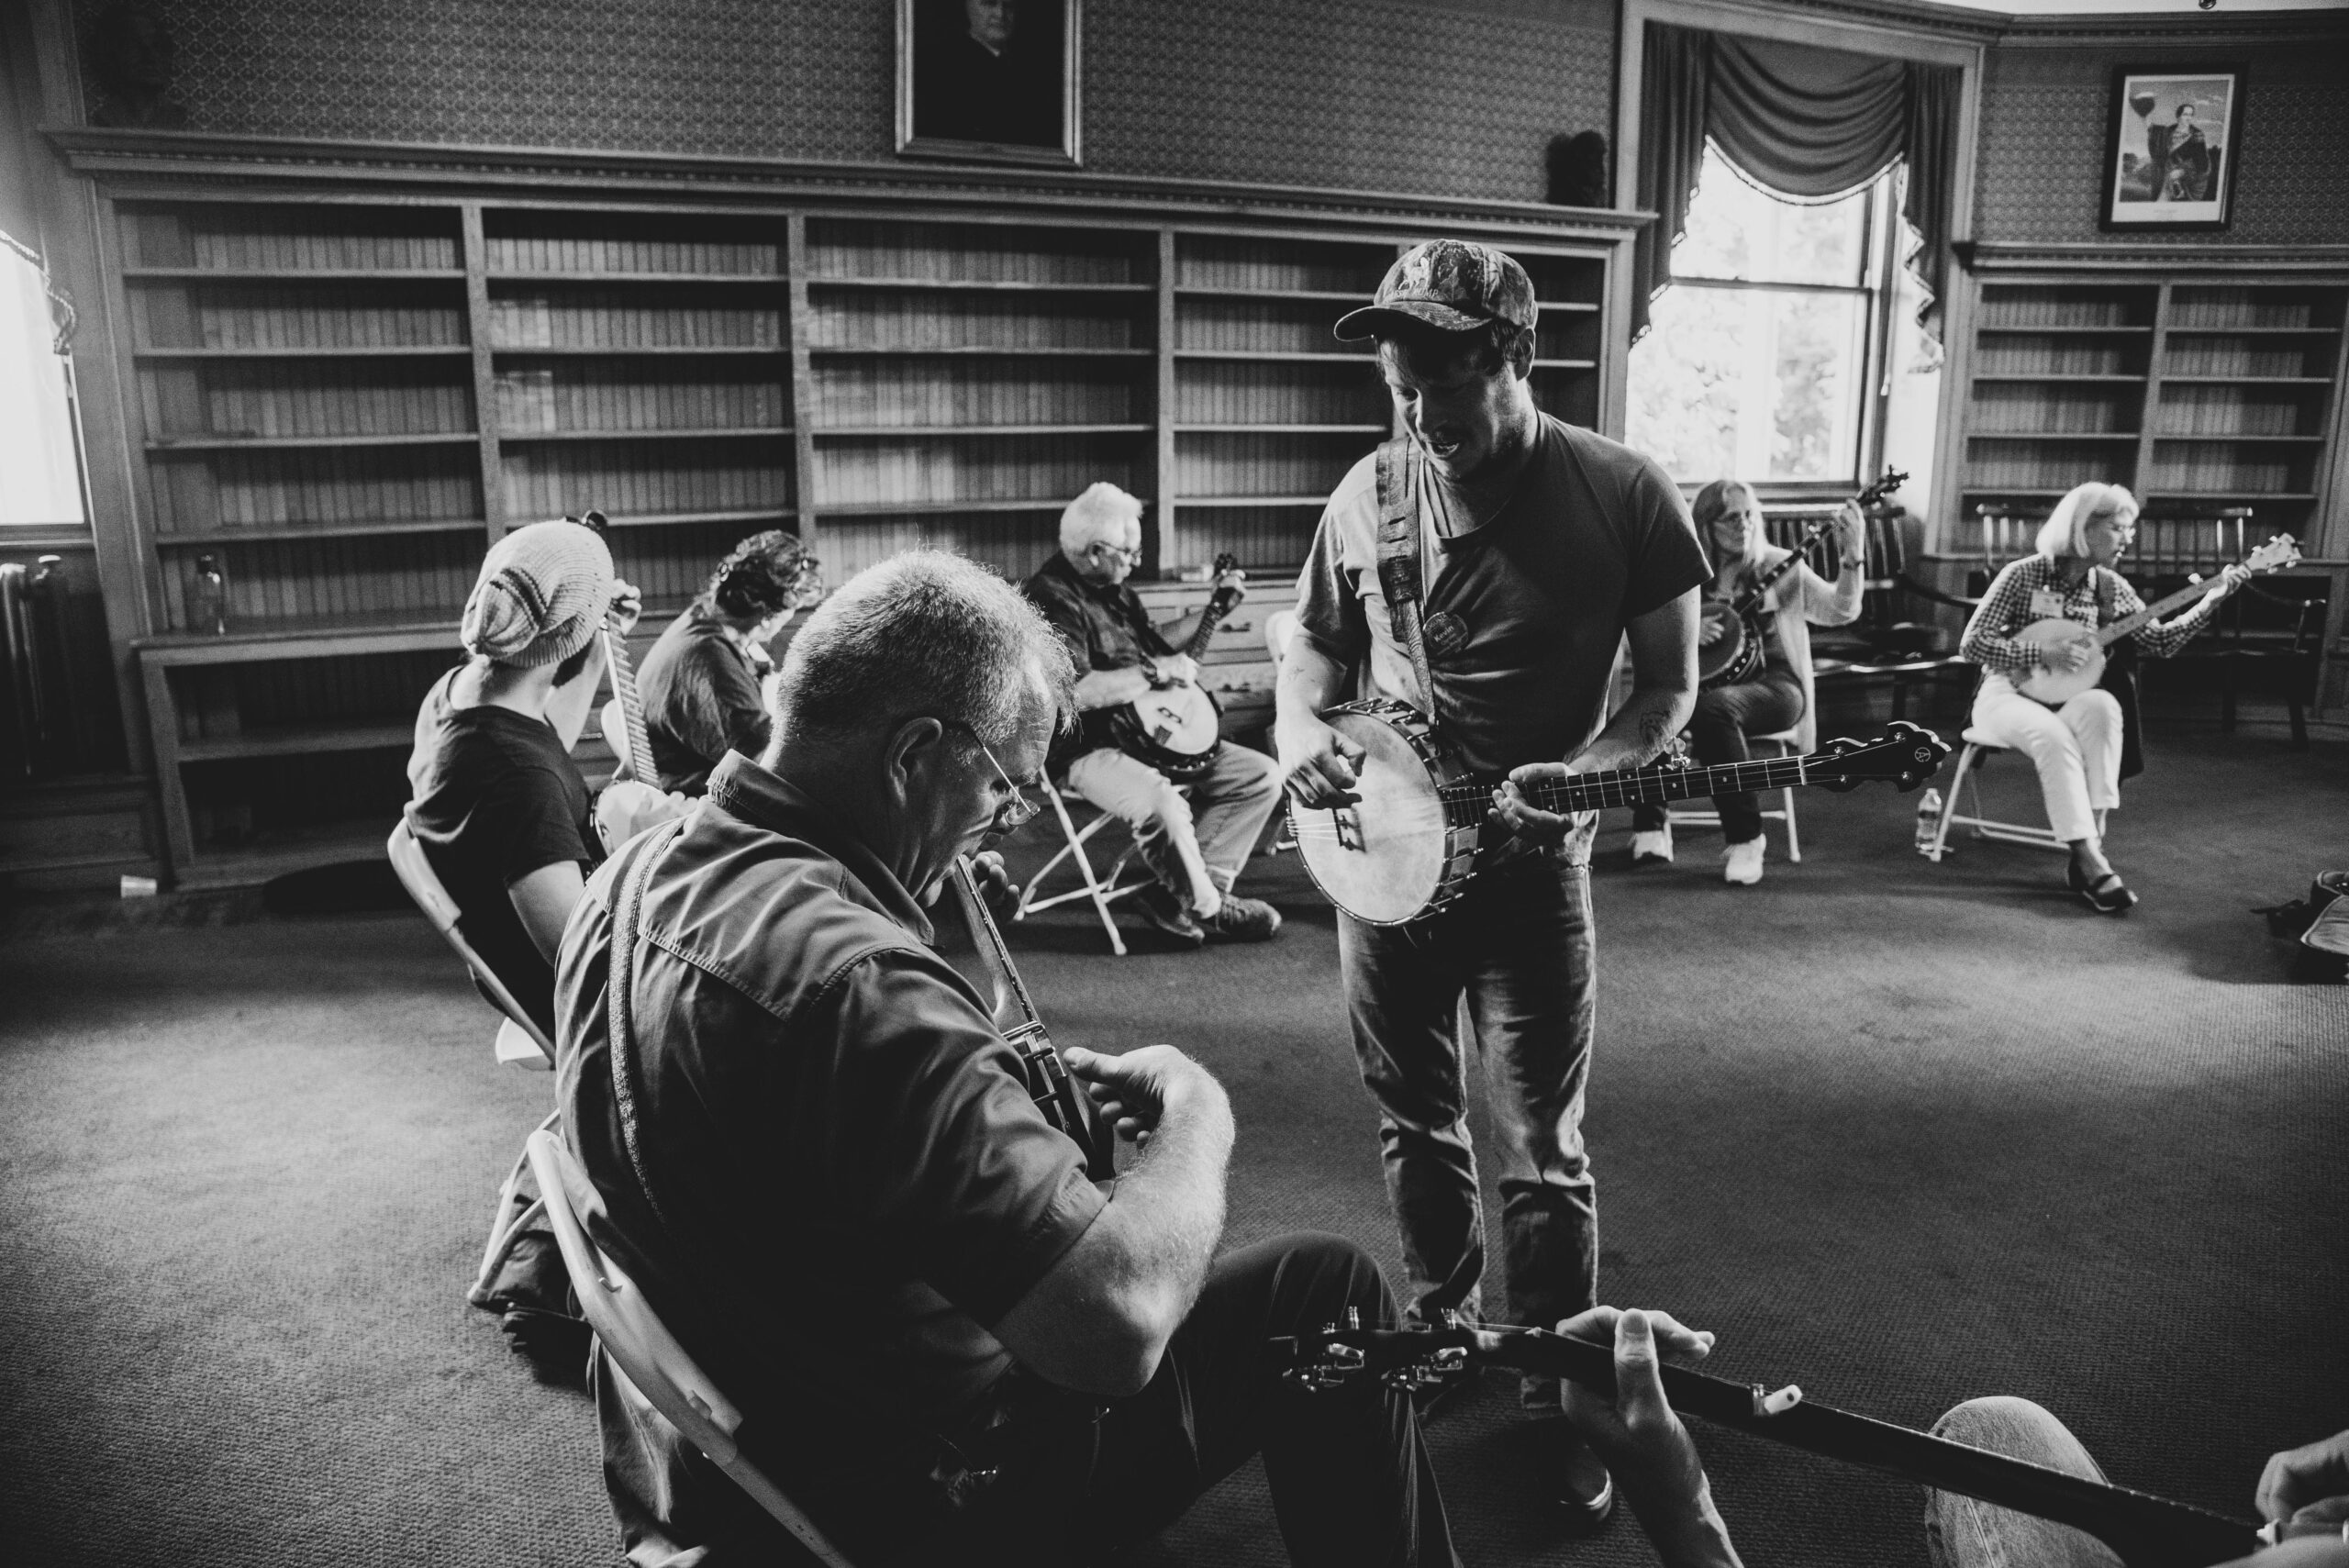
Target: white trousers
1197, 846
2075, 747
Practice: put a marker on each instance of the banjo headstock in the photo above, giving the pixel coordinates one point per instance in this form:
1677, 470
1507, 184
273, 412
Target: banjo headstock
1905, 755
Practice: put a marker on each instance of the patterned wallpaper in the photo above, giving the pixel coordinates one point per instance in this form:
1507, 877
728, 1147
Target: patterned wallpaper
2045, 123
1454, 97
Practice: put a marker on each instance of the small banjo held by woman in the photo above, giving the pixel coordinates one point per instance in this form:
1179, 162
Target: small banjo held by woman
1734, 655
1176, 727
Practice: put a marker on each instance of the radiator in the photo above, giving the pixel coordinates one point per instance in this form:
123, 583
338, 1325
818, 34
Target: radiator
29, 659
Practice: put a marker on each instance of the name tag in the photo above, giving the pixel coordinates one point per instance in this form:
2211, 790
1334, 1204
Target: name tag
2045, 604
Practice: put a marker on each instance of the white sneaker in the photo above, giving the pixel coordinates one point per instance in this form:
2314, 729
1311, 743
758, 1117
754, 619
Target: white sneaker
1652, 844
1744, 863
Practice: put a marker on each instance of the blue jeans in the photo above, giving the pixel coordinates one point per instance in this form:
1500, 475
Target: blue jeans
1520, 948
1963, 1534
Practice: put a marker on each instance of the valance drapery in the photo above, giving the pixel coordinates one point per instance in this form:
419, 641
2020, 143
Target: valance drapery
1811, 123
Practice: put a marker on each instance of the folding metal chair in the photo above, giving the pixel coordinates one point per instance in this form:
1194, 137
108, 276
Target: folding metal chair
1104, 889
1701, 815
1979, 748
646, 1359
520, 1041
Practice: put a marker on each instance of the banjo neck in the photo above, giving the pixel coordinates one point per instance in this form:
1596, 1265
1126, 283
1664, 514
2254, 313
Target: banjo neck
1650, 786
623, 673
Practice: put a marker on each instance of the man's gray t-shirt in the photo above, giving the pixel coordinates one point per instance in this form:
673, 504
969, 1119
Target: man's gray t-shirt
1537, 595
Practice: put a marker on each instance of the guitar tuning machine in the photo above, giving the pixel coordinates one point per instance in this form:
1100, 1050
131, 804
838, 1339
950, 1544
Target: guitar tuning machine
1768, 1403
1334, 1370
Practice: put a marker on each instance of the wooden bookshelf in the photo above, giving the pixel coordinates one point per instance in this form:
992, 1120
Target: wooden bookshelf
2199, 391
343, 394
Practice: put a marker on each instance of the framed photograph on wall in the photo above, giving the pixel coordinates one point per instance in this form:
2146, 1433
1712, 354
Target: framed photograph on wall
2177, 140
995, 80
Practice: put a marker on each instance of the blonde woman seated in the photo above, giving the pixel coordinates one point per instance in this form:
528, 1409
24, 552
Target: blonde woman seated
2076, 745
1779, 697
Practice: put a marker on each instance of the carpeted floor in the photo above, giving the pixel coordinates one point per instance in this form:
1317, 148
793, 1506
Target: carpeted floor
1900, 1133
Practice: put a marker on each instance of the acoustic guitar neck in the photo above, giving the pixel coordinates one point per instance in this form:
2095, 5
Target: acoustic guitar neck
640, 742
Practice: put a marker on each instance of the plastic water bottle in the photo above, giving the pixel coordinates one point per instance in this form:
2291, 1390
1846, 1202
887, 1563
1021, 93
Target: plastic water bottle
1928, 820
207, 609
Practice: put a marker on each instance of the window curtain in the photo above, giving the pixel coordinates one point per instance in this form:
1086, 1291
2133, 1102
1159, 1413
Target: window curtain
1810, 123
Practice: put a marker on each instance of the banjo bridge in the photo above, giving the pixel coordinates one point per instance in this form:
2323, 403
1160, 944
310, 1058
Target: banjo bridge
1347, 823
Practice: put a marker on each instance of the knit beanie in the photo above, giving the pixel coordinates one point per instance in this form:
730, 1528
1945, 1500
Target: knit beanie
543, 592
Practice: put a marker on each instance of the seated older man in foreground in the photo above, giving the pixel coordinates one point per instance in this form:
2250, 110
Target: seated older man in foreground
952, 1343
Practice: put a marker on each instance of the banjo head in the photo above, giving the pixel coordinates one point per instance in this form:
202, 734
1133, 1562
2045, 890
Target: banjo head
1385, 858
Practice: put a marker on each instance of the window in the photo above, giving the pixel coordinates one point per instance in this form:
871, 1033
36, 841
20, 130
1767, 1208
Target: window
1765, 358
37, 453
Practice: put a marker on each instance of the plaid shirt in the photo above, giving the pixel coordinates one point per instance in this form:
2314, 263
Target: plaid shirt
2004, 610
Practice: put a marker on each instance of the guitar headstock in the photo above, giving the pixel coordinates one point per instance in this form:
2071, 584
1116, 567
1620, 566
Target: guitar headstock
1228, 577
2275, 555
1905, 755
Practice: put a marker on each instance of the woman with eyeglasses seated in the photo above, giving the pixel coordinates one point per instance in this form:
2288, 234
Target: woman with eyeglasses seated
701, 681
1777, 696
2076, 745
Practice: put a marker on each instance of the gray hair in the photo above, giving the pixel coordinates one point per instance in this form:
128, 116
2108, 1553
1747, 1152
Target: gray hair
1091, 514
2065, 531
925, 632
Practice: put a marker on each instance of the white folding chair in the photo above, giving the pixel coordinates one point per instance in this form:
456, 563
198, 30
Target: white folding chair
520, 1041
647, 1360
1698, 814
1979, 748
1103, 889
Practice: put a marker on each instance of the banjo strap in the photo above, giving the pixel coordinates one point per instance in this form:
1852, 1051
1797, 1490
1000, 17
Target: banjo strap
1399, 562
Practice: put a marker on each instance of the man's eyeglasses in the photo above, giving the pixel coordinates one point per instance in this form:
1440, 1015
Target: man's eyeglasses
1017, 809
1131, 557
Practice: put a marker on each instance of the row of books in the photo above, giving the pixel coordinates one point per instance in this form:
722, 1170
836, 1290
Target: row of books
581, 252
1222, 464
336, 316
2026, 356
615, 320
852, 249
903, 321
2218, 466
333, 579
1012, 543
1207, 262
975, 392
168, 240
1231, 392
2225, 307
2224, 411
891, 471
2217, 356
596, 396
628, 478
1264, 537
1291, 326
670, 565
312, 486
2012, 306
1992, 465
2001, 408
382, 397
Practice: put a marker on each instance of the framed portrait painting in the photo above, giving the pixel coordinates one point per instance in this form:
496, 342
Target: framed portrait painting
2176, 142
996, 81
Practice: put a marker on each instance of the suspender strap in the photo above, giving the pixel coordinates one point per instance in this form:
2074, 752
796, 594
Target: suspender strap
1399, 562
638, 860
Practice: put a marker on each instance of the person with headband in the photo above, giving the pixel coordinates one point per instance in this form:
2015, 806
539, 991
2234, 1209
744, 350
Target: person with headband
701, 681
2076, 746
502, 811
1779, 695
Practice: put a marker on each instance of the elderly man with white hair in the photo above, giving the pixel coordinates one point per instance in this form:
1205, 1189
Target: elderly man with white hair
1194, 847
952, 1340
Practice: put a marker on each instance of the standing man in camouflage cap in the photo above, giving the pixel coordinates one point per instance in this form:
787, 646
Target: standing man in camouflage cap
1530, 547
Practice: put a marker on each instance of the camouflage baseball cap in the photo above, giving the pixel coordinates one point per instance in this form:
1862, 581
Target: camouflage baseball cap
1454, 286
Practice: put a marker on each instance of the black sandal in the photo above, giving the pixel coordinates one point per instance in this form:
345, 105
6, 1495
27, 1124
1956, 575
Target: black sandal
2107, 895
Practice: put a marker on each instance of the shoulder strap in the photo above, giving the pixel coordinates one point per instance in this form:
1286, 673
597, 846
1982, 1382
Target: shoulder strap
629, 879
1398, 562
